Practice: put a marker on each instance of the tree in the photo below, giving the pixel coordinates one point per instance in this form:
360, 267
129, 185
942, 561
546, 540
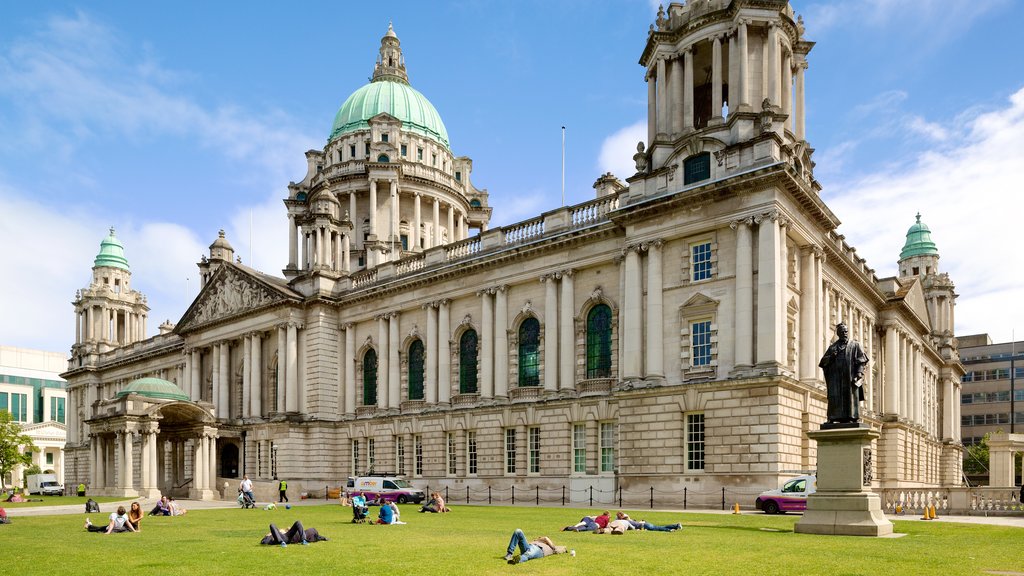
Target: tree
976, 457
15, 447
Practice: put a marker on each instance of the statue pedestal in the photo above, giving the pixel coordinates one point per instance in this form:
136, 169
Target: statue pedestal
843, 503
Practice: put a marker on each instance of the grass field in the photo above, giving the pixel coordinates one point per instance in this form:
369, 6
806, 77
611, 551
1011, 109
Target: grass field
471, 541
57, 501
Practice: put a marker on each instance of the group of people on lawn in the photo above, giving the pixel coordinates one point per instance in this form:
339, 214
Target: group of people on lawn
131, 520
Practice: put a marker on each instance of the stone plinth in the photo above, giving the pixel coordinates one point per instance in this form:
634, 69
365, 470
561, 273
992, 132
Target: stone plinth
843, 503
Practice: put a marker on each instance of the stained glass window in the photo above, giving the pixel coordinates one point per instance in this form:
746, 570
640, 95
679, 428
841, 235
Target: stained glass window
529, 352
370, 378
468, 354
599, 342
416, 370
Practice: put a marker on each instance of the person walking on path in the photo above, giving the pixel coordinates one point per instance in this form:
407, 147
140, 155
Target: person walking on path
282, 489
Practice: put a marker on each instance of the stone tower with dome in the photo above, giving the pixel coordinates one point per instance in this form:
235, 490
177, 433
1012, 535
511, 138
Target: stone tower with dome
663, 335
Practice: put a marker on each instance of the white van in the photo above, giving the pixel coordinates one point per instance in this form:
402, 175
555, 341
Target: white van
392, 488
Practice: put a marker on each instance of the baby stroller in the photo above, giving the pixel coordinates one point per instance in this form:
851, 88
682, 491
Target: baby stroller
245, 501
359, 510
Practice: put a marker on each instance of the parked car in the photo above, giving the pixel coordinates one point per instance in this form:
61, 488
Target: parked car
391, 488
792, 497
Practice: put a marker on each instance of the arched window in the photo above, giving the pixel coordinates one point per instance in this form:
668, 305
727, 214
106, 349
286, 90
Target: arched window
599, 342
383, 158
529, 352
370, 378
416, 370
474, 203
301, 196
468, 354
697, 168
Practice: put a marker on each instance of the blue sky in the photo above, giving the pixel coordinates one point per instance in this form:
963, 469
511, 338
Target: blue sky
171, 120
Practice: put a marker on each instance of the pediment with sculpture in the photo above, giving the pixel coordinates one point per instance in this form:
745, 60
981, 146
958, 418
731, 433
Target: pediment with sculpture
229, 293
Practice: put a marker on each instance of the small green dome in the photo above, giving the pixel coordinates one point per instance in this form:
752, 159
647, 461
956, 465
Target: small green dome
919, 241
111, 253
398, 99
153, 388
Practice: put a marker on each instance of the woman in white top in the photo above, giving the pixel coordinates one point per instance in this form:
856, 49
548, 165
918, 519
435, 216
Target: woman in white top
118, 523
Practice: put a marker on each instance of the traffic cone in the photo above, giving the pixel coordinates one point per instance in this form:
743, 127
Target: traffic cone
931, 513
925, 515
736, 508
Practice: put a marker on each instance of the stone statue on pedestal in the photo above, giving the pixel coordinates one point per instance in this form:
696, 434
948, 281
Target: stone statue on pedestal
843, 364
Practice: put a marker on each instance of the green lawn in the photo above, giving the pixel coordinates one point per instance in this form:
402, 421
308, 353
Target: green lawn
57, 501
471, 541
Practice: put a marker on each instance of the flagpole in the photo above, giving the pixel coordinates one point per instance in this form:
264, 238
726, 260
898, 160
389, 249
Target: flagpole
563, 165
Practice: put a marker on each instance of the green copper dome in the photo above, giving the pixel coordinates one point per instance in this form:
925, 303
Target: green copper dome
111, 253
153, 388
919, 241
400, 100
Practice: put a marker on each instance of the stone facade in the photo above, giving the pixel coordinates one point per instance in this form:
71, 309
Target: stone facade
665, 334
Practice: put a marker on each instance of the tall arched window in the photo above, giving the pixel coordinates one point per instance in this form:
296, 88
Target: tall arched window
370, 378
529, 352
468, 355
599, 342
416, 370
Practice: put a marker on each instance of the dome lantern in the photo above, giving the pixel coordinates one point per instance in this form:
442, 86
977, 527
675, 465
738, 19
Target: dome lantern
111, 253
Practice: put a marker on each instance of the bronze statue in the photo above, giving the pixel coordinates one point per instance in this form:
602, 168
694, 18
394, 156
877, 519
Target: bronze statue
843, 364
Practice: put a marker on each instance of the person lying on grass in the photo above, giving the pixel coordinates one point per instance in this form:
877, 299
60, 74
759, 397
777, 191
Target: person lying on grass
118, 523
589, 523
294, 535
623, 522
534, 550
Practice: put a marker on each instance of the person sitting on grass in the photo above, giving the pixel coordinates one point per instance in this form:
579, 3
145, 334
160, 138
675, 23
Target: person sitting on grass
3, 517
386, 514
644, 525
539, 548
589, 523
162, 508
294, 535
118, 523
135, 516
176, 509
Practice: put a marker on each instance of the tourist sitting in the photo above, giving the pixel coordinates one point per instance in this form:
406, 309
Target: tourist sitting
91, 506
539, 548
176, 509
162, 508
3, 517
435, 504
294, 535
386, 515
118, 523
135, 516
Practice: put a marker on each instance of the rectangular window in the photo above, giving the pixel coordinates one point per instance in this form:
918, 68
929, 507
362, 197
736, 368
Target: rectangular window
400, 454
700, 348
453, 467
19, 407
57, 410
49, 458
3, 401
697, 168
383, 137
607, 447
510, 451
419, 153
355, 457
579, 448
700, 261
695, 441
371, 455
471, 452
367, 149
534, 450
458, 176
418, 449
435, 160
352, 152
404, 150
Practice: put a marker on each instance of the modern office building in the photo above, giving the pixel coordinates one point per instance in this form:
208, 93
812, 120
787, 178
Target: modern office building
986, 388
32, 390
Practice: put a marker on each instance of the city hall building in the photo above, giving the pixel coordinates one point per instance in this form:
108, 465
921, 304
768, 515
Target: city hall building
663, 335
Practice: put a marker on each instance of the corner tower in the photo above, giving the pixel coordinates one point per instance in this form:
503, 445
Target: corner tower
108, 313
919, 260
725, 93
385, 187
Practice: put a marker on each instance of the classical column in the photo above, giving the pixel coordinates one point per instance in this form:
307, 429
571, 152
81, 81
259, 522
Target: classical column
321, 246
716, 77
351, 216
663, 112
688, 89
198, 464
282, 367
906, 408
94, 462
769, 290
652, 106
373, 208
211, 453
305, 248
487, 344
459, 227
256, 392
949, 422
918, 388
430, 394
451, 223
550, 332
743, 57
394, 374
808, 313
382, 362
444, 358
436, 222
787, 88
891, 379
144, 468
292, 398
346, 253
501, 341
215, 380
393, 208
225, 380
567, 333
246, 374
186, 376
78, 327
774, 69
744, 293
350, 368
416, 219
127, 463
293, 240
632, 314
655, 315
677, 91
800, 67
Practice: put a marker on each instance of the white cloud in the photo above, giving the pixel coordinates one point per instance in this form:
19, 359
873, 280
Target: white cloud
617, 150
934, 18
969, 195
